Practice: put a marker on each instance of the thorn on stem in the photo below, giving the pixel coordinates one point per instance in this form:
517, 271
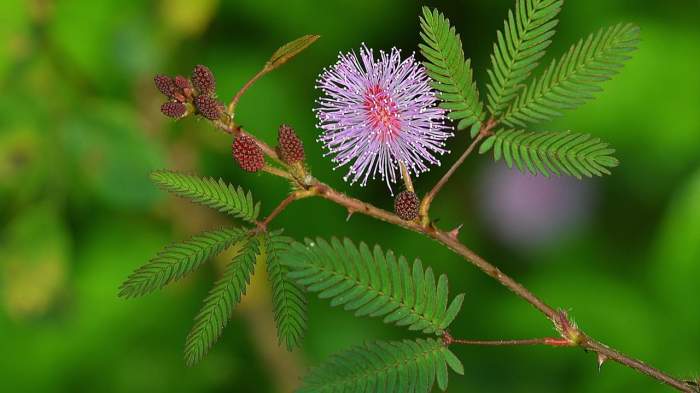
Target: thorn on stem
455, 232
350, 213
601, 359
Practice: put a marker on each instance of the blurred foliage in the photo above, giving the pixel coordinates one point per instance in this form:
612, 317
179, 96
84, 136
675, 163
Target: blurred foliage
80, 131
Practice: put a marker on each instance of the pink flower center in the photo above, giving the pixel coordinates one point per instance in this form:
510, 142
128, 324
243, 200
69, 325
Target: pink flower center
382, 112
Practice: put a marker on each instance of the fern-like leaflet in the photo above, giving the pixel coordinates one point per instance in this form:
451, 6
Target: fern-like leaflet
572, 80
374, 283
210, 192
219, 304
288, 300
447, 66
566, 152
177, 260
385, 367
525, 36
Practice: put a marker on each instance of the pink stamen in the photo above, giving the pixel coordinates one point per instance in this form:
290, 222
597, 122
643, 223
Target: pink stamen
383, 114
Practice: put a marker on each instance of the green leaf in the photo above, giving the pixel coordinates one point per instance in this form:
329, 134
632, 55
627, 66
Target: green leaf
177, 260
384, 367
289, 50
373, 283
288, 299
446, 65
522, 42
559, 153
210, 192
574, 79
218, 306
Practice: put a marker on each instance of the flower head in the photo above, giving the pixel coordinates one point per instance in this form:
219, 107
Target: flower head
290, 147
176, 110
203, 80
248, 154
377, 113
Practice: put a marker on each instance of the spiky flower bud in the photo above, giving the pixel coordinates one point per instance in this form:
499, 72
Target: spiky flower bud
165, 85
290, 147
203, 80
176, 110
248, 154
406, 205
208, 107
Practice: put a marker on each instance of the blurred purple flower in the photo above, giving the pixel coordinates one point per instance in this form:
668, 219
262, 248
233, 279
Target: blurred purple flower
378, 112
531, 212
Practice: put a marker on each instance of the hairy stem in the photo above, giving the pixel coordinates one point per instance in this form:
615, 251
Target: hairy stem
283, 205
406, 177
549, 341
232, 105
606, 353
428, 198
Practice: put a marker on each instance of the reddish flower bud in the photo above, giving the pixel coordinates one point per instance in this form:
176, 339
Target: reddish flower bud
248, 154
176, 110
406, 205
165, 85
203, 80
290, 147
208, 107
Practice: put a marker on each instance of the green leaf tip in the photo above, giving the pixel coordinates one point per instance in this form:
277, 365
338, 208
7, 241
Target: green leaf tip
177, 260
573, 79
385, 367
289, 50
374, 283
288, 299
526, 34
209, 192
219, 304
451, 72
547, 153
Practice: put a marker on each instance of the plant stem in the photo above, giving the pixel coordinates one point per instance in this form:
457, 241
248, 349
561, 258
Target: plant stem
612, 354
574, 337
570, 332
283, 205
277, 172
428, 198
549, 341
232, 106
406, 177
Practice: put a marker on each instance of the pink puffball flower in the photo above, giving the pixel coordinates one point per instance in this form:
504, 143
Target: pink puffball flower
378, 113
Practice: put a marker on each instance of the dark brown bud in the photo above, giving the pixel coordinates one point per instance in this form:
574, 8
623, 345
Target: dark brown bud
208, 107
165, 85
290, 147
406, 205
248, 154
176, 110
203, 80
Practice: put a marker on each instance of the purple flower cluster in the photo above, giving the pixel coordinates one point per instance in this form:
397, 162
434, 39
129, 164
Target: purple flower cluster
377, 113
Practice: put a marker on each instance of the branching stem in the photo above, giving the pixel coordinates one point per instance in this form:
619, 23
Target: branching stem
232, 105
424, 210
283, 205
571, 334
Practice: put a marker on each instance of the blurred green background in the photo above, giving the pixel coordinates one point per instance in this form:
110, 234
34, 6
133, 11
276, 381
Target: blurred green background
80, 129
